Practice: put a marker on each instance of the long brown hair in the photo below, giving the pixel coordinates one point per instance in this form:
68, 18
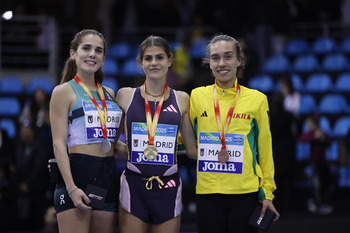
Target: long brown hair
70, 68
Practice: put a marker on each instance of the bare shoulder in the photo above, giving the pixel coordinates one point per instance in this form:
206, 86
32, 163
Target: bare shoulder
124, 96
63, 90
62, 95
125, 92
182, 96
183, 100
110, 91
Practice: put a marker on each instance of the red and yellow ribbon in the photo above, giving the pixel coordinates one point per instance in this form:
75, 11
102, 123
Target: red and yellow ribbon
152, 125
222, 133
103, 115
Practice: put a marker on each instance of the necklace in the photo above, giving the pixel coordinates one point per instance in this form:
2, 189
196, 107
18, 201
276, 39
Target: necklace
153, 95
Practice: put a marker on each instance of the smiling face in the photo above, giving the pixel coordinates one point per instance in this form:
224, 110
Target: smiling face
223, 63
155, 62
89, 56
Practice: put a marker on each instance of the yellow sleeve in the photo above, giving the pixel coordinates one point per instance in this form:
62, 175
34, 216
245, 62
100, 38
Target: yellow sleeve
265, 157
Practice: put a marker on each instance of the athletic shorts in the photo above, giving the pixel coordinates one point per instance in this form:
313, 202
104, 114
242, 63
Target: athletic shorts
154, 199
87, 169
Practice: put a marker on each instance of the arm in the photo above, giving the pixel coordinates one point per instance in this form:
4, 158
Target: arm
110, 91
121, 149
123, 99
186, 130
62, 99
266, 159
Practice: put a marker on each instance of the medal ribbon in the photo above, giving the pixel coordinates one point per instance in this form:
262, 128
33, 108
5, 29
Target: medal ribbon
222, 133
103, 115
152, 125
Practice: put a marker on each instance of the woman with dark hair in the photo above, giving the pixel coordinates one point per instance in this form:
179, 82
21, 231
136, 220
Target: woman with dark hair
85, 117
150, 192
235, 168
321, 178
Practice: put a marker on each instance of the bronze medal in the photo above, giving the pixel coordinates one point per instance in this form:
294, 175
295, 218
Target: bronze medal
223, 155
151, 152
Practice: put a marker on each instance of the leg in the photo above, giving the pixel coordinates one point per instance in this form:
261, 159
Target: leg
128, 223
241, 208
211, 216
103, 221
170, 226
74, 220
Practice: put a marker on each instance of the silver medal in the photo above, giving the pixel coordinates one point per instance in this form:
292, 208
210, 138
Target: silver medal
106, 146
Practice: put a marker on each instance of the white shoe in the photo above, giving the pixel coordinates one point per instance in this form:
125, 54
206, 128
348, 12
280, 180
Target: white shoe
311, 206
325, 209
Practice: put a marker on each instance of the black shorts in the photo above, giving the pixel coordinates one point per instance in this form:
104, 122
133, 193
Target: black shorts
154, 199
87, 169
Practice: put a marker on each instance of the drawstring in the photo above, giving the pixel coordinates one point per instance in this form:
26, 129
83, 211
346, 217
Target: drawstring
149, 182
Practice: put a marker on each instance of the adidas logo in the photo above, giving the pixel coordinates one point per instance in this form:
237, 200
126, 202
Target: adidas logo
170, 108
204, 114
170, 184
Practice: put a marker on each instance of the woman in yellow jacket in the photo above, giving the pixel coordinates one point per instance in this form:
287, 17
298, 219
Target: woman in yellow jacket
235, 168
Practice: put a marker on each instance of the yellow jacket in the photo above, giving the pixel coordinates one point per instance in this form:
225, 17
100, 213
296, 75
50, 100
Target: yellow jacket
248, 140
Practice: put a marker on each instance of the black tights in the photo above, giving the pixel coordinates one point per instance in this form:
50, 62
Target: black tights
224, 213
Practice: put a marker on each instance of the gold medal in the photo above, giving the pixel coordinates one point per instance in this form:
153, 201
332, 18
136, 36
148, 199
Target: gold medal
151, 152
223, 155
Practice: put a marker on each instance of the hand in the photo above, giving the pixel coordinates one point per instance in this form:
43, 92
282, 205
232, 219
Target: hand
267, 204
24, 187
77, 197
318, 134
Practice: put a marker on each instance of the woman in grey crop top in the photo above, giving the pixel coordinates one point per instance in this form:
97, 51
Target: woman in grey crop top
89, 133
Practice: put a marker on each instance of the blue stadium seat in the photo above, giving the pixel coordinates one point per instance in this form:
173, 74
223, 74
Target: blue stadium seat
318, 82
342, 83
302, 151
131, 68
341, 127
119, 50
263, 83
9, 126
296, 46
111, 83
308, 104
198, 49
297, 82
174, 45
42, 82
344, 176
10, 106
306, 63
277, 64
324, 45
332, 153
345, 46
11, 85
110, 67
332, 104
335, 63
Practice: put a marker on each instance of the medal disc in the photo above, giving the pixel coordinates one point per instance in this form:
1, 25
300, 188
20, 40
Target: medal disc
223, 156
151, 152
106, 146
